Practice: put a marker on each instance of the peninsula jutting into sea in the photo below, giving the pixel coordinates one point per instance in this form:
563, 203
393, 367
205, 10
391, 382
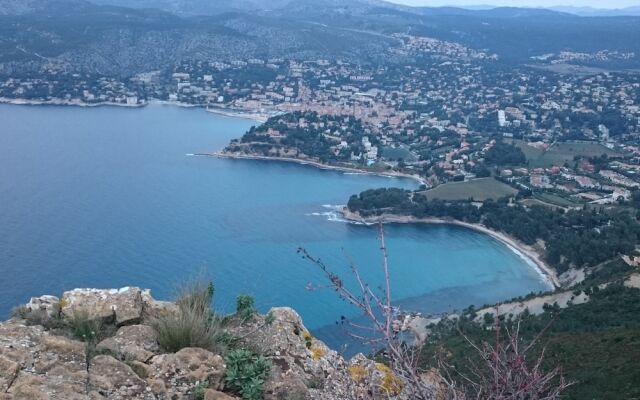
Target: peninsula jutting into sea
319, 200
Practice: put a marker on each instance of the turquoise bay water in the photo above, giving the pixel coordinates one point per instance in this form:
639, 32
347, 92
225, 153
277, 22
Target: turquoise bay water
107, 197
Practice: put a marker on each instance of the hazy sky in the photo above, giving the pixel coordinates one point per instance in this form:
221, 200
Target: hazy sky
524, 3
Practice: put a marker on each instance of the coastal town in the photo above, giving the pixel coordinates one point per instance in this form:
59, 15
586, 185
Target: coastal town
572, 139
328, 199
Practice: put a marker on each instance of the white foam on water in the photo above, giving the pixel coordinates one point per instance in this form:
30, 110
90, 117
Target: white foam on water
335, 207
543, 276
335, 216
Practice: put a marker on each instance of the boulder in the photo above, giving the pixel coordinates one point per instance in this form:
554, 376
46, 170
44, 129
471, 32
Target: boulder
123, 306
47, 304
58, 351
211, 394
18, 346
153, 308
285, 386
183, 371
36, 365
303, 367
114, 379
59, 383
137, 342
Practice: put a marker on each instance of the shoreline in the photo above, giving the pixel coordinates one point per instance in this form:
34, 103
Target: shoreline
225, 112
229, 112
316, 164
527, 253
65, 103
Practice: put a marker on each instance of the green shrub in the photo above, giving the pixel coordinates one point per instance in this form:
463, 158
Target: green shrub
199, 391
230, 340
246, 373
84, 328
245, 307
195, 294
37, 317
269, 319
193, 324
20, 312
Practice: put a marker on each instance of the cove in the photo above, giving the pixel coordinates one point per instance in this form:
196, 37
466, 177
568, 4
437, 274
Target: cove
108, 197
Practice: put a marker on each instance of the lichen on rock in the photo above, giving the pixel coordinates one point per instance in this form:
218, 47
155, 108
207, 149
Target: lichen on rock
42, 362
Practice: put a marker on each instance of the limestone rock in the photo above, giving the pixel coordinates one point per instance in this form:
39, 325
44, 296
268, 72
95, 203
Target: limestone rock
60, 352
153, 308
135, 341
59, 383
375, 378
36, 364
182, 371
211, 394
285, 386
60, 370
303, 367
48, 304
124, 306
9, 370
114, 379
18, 345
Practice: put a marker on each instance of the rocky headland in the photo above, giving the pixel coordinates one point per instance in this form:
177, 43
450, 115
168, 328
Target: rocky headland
40, 358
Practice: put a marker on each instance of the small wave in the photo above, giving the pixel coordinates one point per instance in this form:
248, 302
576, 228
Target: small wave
335, 216
354, 173
334, 206
189, 154
528, 260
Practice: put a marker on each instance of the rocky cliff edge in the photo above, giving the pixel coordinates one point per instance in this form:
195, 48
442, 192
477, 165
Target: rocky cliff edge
39, 361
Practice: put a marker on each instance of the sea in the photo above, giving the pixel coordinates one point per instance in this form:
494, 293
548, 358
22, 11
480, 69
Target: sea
111, 196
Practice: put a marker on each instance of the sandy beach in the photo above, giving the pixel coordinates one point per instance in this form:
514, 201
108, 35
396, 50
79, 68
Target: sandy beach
316, 164
531, 255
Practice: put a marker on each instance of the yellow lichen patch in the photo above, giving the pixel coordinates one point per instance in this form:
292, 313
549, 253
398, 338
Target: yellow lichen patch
391, 384
317, 352
308, 339
63, 302
357, 373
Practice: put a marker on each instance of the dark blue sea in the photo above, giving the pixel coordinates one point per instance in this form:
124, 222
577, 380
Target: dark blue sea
109, 197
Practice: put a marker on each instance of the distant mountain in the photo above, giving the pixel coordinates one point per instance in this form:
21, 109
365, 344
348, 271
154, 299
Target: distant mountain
598, 12
500, 12
213, 7
112, 39
123, 41
21, 7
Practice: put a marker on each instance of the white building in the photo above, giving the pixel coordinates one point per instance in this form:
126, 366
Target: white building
502, 119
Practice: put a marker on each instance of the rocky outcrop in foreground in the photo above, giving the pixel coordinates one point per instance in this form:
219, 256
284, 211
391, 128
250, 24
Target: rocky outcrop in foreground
38, 362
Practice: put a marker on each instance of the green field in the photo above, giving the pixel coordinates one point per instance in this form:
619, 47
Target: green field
556, 200
561, 153
478, 189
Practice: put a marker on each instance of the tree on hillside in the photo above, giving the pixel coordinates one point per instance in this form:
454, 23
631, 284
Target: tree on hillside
505, 154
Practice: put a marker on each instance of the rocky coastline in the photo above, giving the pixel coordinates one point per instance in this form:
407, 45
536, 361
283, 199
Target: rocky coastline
39, 361
223, 111
316, 164
61, 102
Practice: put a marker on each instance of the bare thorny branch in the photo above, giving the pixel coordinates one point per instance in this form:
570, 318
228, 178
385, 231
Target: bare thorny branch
380, 313
503, 372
